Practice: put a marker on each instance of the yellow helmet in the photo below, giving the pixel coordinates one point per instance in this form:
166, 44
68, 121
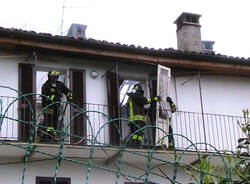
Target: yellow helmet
53, 73
138, 88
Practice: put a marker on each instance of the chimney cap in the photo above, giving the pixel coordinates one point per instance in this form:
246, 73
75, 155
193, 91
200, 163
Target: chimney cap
188, 32
75, 24
185, 14
77, 30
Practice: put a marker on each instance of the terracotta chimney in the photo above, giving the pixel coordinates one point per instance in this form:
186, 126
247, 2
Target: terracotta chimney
188, 32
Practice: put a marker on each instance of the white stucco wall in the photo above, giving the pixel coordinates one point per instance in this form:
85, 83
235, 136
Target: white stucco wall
185, 94
8, 76
226, 95
220, 94
64, 65
12, 173
96, 89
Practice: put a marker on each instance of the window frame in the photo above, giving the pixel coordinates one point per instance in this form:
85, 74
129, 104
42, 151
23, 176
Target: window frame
51, 179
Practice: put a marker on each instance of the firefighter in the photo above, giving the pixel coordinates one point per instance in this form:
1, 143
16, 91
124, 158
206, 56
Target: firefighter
136, 111
53, 90
171, 109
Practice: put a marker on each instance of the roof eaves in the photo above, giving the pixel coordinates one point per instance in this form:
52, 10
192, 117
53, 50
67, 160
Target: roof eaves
103, 44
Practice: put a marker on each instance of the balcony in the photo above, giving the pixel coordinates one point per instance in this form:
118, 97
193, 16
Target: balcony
94, 126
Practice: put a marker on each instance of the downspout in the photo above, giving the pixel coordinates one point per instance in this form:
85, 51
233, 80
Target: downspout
117, 83
35, 54
118, 95
176, 96
202, 110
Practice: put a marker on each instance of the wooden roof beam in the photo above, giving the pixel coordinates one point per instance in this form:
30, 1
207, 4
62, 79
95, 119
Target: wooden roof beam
228, 68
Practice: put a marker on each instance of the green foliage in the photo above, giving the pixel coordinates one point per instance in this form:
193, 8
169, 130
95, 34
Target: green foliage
238, 166
210, 172
245, 127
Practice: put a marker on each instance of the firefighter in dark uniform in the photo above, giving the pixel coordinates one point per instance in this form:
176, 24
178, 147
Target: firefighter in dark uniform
53, 90
136, 112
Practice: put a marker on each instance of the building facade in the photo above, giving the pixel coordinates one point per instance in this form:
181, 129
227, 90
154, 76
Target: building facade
209, 90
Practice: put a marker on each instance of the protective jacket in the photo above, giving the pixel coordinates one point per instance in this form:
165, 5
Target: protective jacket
136, 104
54, 93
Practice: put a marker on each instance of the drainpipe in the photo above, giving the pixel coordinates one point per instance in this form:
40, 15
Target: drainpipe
175, 88
118, 99
202, 110
117, 82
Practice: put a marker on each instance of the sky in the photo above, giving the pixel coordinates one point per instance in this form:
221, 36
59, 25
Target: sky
146, 23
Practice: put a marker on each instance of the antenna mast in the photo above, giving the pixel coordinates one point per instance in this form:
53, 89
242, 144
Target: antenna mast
62, 18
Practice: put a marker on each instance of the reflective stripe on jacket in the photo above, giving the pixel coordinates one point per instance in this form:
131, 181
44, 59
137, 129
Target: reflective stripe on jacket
133, 117
54, 95
135, 105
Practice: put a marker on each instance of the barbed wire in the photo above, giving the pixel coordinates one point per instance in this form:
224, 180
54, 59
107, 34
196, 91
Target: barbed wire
92, 140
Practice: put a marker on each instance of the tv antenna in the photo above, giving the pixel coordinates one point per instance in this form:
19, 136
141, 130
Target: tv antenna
62, 18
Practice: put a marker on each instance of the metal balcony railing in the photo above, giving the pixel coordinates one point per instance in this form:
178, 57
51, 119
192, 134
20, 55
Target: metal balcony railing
206, 131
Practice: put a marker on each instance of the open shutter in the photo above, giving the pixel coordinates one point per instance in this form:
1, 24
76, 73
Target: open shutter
113, 107
78, 86
27, 79
163, 89
153, 107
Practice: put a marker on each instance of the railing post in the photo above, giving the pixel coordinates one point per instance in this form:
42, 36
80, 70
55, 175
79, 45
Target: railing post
202, 111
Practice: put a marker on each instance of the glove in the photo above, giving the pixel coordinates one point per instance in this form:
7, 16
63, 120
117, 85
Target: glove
51, 97
169, 100
157, 98
69, 97
173, 107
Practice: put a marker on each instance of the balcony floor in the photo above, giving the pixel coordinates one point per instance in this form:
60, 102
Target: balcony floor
16, 153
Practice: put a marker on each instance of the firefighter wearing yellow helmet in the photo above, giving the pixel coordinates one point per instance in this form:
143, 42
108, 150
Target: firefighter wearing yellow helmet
52, 91
136, 111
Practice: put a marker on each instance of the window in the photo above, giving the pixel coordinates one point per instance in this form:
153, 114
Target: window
50, 180
137, 183
79, 30
125, 88
207, 45
70, 32
117, 88
30, 81
42, 77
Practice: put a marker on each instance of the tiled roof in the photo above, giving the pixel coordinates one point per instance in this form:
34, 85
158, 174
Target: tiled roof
103, 44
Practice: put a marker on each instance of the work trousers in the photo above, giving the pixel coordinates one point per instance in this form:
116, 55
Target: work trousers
137, 138
170, 137
51, 116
